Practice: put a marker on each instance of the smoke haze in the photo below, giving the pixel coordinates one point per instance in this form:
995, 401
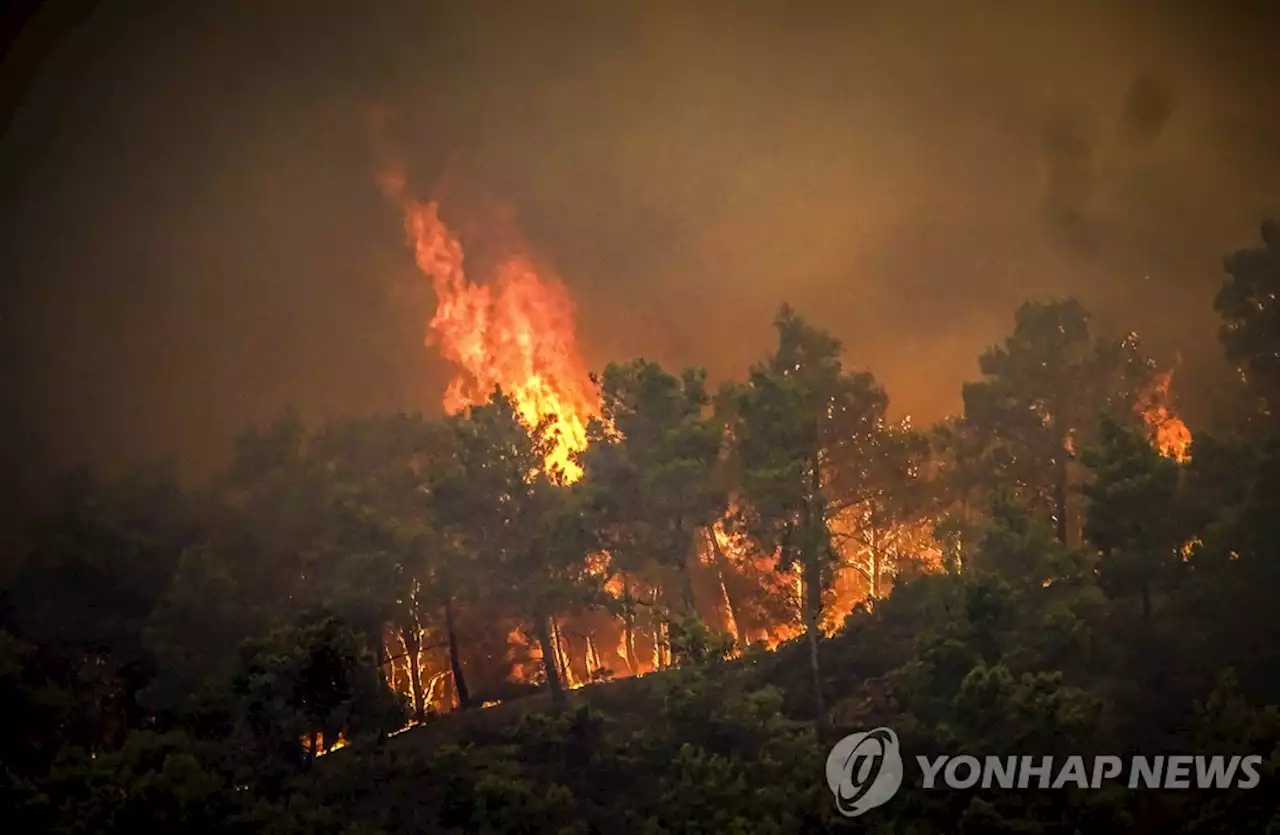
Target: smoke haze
193, 235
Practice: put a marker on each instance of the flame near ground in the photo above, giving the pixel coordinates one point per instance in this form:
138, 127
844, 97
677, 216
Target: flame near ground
516, 330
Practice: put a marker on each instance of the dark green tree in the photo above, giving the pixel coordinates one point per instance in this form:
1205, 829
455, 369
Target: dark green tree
1040, 400
797, 414
651, 472
1019, 547
1251, 317
98, 564
316, 680
1133, 516
527, 530
395, 563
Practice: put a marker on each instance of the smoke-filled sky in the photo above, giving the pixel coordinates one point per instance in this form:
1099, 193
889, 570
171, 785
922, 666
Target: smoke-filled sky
193, 237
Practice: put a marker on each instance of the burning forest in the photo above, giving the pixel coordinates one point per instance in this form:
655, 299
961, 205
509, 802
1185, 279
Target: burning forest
677, 568
511, 329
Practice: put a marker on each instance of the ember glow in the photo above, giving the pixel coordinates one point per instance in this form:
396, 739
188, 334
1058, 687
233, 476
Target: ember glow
516, 332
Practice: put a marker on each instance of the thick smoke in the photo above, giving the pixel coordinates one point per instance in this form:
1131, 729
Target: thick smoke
1073, 143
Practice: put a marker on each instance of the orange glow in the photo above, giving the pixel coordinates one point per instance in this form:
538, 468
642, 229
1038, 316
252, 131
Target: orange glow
1169, 435
561, 657
321, 750
516, 332
529, 663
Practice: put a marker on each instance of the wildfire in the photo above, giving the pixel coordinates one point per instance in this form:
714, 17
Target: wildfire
1169, 435
514, 329
320, 748
516, 332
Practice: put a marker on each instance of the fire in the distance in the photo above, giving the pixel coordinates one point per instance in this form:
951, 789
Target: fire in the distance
516, 329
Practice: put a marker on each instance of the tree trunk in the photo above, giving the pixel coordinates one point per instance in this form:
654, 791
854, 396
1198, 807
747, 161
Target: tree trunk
1146, 602
542, 626
811, 575
658, 619
593, 659
632, 661
873, 563
629, 626
562, 654
966, 519
725, 569
382, 657
812, 597
687, 564
455, 660
688, 605
1060, 489
412, 651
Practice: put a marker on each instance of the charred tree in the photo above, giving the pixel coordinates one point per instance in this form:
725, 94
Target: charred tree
455, 660
542, 626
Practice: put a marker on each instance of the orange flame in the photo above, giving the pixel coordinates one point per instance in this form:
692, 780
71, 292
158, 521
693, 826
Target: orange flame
321, 748
1169, 435
516, 332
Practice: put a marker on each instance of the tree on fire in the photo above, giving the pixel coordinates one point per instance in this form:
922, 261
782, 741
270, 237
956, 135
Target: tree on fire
882, 505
